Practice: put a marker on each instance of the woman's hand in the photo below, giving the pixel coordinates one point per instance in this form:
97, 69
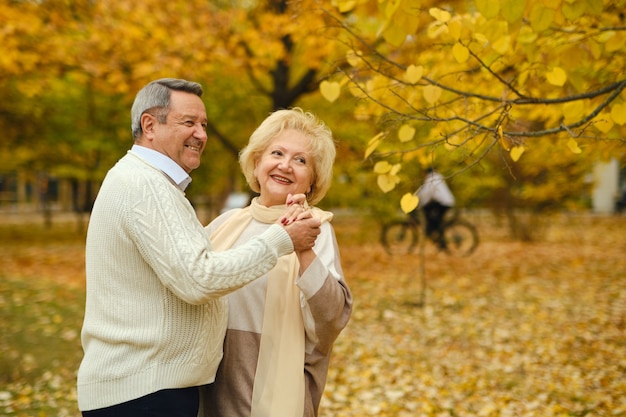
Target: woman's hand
296, 199
297, 209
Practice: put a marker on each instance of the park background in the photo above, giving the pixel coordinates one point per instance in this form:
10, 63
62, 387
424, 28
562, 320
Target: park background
520, 104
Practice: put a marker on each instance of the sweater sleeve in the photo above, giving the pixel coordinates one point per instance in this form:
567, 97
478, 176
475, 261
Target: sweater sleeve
173, 242
326, 298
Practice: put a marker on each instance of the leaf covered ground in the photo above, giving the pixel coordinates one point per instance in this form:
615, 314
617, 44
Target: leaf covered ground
517, 329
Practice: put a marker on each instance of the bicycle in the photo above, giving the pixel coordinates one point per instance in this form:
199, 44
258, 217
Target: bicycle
400, 236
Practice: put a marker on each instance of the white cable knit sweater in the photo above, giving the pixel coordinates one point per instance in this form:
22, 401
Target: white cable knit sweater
154, 318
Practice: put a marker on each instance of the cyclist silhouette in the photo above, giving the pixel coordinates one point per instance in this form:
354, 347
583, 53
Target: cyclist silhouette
435, 199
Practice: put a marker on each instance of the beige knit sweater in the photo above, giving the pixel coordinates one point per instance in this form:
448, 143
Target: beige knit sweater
154, 318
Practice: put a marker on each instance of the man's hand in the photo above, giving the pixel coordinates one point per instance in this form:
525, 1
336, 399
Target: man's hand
303, 233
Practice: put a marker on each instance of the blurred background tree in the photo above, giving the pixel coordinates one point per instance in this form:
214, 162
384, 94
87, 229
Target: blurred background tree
513, 101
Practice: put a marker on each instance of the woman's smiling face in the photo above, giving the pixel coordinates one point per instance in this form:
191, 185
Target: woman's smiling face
285, 167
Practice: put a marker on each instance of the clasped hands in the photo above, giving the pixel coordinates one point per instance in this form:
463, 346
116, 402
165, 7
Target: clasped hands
299, 223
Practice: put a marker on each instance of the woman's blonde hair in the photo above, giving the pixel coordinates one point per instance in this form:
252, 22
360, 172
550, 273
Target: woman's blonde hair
322, 148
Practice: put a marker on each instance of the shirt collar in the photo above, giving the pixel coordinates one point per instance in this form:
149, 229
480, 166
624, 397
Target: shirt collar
165, 164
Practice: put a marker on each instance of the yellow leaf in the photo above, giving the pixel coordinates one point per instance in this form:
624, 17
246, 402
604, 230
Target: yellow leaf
573, 111
330, 90
618, 113
572, 10
460, 52
616, 43
557, 76
456, 140
387, 182
526, 35
541, 17
373, 144
439, 14
406, 133
353, 58
516, 152
604, 123
409, 202
573, 146
401, 20
480, 38
390, 7
395, 35
454, 28
432, 93
594, 7
413, 74
605, 36
512, 10
503, 141
595, 49
502, 44
488, 8
395, 168
382, 167
436, 29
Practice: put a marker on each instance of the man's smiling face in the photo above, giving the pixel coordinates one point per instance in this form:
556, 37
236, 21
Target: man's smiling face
183, 136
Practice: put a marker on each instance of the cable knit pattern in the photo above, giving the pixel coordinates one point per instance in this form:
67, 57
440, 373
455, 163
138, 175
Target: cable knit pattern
154, 318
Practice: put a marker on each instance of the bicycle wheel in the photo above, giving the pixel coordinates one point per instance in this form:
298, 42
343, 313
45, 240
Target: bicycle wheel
461, 238
399, 237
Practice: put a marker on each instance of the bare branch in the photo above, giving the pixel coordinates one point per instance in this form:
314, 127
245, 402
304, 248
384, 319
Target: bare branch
497, 76
618, 88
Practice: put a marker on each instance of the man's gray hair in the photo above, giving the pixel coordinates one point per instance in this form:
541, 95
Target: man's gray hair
155, 96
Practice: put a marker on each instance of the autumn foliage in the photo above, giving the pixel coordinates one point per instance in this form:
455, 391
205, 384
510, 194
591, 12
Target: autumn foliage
485, 90
514, 101
450, 84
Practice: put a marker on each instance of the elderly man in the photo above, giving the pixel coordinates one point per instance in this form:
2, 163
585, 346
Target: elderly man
154, 318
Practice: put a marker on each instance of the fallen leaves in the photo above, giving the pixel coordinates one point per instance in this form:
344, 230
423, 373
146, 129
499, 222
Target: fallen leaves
40, 344
517, 329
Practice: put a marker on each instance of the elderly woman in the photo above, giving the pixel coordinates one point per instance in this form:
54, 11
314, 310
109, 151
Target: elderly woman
282, 327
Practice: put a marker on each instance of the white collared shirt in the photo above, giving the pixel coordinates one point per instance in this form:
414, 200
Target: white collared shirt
165, 164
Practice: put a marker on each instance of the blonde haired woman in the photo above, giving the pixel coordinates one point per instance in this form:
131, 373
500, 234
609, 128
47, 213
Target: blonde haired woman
281, 328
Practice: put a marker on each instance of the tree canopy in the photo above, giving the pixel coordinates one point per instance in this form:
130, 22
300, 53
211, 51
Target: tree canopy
449, 85
511, 93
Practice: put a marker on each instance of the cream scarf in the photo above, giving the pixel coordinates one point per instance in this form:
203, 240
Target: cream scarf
279, 384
